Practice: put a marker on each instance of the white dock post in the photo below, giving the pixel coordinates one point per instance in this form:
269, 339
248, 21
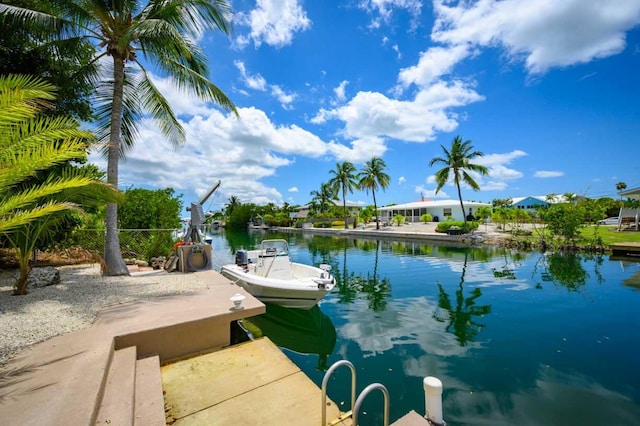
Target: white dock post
433, 400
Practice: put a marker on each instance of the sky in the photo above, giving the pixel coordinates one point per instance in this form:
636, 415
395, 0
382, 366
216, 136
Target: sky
547, 90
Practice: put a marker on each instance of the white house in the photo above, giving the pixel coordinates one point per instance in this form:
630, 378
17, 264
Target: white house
439, 210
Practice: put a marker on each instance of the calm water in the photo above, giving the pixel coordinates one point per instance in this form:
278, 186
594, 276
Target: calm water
516, 338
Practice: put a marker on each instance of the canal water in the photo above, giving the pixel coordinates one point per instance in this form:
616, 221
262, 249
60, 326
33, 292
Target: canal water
516, 338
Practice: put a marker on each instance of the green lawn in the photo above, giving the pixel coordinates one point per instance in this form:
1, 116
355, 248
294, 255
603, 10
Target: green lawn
610, 235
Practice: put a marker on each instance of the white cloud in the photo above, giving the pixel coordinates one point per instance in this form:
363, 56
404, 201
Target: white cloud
545, 34
339, 91
547, 174
361, 149
372, 114
274, 22
293, 189
402, 180
433, 64
286, 99
255, 82
430, 193
240, 152
396, 49
385, 8
490, 160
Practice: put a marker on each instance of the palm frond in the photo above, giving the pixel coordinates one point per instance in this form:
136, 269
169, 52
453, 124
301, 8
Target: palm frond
159, 108
11, 222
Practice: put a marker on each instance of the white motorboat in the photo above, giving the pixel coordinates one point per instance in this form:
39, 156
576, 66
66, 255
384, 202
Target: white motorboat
269, 275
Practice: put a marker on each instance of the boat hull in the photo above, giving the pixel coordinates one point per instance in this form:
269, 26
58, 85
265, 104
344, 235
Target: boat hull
301, 293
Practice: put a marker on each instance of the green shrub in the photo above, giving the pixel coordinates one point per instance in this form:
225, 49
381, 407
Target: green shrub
322, 225
338, 223
426, 218
445, 226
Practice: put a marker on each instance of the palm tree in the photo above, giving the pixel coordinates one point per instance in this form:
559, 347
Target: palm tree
233, 203
372, 177
621, 186
344, 178
323, 196
29, 143
163, 32
457, 162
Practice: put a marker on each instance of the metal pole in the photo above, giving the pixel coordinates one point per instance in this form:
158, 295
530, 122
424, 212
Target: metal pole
325, 381
433, 399
366, 391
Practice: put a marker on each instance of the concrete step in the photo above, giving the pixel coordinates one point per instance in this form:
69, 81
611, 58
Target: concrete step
118, 399
149, 400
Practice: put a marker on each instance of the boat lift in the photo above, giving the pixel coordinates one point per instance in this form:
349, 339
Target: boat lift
193, 234
193, 253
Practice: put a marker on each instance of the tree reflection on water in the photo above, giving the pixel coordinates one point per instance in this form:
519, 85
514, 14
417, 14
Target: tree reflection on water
461, 318
566, 269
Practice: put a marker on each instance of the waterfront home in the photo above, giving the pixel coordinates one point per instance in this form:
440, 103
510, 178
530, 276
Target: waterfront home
439, 210
534, 202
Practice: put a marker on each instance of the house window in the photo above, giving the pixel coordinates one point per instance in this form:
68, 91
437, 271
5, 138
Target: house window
446, 211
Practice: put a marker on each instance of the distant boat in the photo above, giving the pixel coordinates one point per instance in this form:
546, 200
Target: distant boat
270, 276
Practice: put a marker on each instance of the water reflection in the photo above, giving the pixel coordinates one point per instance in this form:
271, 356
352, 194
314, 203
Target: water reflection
566, 269
303, 331
376, 290
473, 317
461, 317
555, 398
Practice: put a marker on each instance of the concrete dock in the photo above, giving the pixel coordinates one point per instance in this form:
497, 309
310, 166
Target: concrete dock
169, 353
628, 249
247, 384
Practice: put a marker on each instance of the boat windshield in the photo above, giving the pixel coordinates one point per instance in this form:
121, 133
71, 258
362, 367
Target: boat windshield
274, 248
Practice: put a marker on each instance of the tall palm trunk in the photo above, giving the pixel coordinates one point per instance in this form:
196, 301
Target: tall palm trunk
112, 256
464, 216
375, 208
344, 205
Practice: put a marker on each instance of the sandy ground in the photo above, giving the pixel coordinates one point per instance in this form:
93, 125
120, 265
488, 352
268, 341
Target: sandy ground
74, 303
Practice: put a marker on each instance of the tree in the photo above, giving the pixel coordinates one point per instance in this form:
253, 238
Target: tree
344, 179
372, 177
501, 202
25, 52
621, 186
31, 142
457, 162
323, 197
484, 213
150, 209
163, 32
232, 204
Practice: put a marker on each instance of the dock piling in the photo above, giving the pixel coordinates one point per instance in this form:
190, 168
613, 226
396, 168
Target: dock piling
433, 400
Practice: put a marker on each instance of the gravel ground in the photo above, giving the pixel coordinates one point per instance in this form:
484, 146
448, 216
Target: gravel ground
73, 304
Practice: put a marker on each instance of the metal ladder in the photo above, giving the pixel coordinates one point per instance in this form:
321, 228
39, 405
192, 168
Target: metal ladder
355, 403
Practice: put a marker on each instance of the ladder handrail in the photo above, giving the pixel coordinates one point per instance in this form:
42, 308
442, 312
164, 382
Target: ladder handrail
325, 381
363, 395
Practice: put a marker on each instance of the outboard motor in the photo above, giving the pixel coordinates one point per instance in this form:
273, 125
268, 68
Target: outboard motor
242, 258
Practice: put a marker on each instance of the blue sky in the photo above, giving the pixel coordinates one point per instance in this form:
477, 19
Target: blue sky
548, 90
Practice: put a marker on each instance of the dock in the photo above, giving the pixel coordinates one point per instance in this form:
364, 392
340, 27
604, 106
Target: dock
166, 360
247, 384
629, 249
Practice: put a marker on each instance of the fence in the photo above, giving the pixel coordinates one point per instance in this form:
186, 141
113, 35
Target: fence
142, 244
